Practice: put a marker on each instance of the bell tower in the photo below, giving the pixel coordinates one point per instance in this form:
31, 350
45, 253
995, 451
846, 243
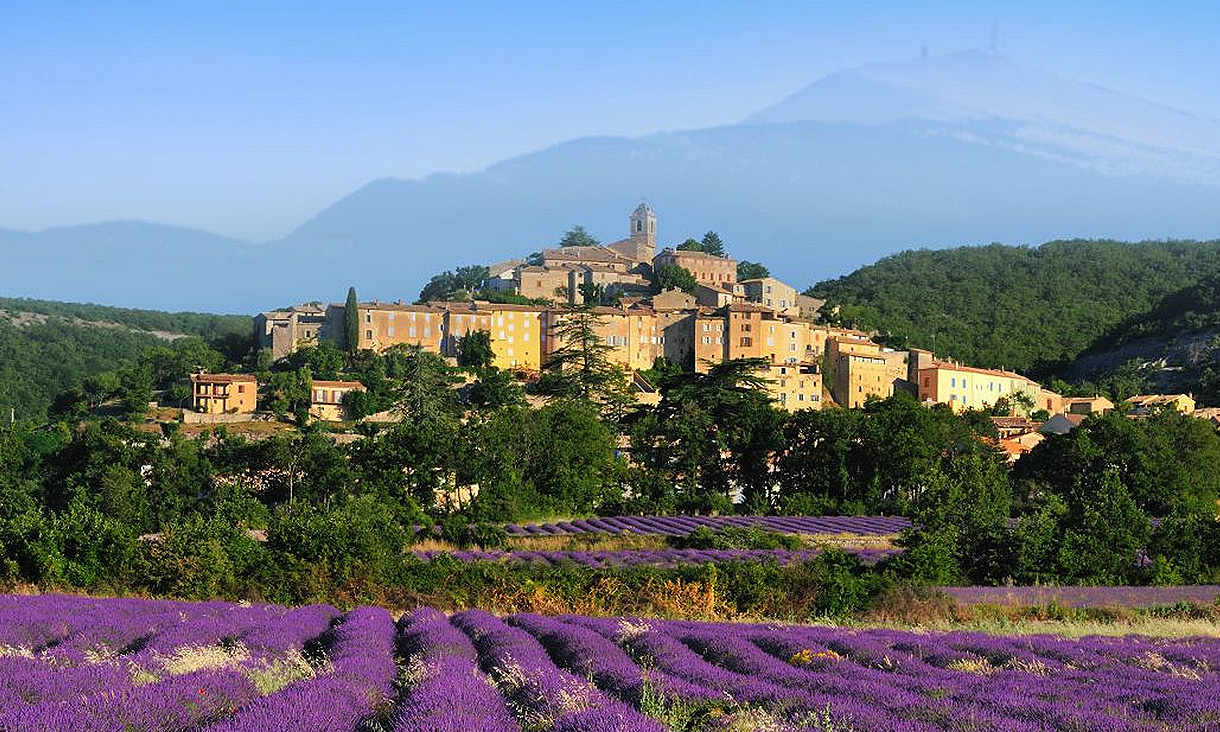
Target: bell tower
644, 228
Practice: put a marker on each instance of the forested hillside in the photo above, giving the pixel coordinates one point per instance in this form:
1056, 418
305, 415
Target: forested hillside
47, 348
1031, 309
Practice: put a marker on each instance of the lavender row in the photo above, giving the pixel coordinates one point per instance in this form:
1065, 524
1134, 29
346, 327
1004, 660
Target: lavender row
354, 689
682, 525
444, 689
1128, 597
655, 557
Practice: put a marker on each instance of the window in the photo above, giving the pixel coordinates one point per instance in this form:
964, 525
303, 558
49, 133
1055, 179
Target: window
427, 332
390, 331
745, 327
707, 327
953, 382
791, 346
241, 388
411, 332
525, 337
368, 317
746, 341
368, 334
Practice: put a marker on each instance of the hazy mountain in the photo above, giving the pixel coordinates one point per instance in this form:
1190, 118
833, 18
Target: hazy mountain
1050, 114
965, 149
130, 263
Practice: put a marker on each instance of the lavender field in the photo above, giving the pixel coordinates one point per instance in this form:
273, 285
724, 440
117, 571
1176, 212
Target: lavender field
664, 558
83, 665
682, 525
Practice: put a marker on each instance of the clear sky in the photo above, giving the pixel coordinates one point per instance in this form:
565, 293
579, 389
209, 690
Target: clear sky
247, 118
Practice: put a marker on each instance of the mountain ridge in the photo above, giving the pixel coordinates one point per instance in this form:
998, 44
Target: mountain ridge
808, 197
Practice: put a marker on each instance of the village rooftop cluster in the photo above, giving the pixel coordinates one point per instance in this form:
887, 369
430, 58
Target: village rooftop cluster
809, 364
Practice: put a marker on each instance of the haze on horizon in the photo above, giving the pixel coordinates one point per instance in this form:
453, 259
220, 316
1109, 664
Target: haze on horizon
247, 121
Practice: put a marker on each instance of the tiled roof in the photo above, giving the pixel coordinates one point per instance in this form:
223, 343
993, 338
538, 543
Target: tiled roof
223, 378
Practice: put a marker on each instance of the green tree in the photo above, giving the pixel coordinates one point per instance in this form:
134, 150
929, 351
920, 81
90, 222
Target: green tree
421, 384
674, 277
474, 350
690, 245
456, 285
578, 237
711, 434
580, 367
747, 270
351, 321
712, 244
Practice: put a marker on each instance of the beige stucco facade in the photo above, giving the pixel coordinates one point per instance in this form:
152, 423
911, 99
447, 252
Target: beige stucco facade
326, 398
224, 393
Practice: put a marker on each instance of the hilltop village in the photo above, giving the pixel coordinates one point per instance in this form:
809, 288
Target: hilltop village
709, 317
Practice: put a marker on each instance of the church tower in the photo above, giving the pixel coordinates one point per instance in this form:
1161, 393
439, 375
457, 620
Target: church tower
644, 229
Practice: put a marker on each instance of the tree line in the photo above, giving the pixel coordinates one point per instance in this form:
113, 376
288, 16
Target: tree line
89, 501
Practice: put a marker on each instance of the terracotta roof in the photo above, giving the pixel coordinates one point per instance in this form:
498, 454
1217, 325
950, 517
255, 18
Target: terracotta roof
338, 384
596, 254
949, 366
667, 252
1013, 422
223, 378
1013, 448
398, 306
1145, 399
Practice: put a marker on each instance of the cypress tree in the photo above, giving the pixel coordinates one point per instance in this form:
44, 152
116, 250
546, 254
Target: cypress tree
351, 321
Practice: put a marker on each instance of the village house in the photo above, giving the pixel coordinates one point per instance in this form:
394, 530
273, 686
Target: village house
224, 393
326, 398
772, 293
283, 331
1087, 405
858, 371
708, 269
1143, 404
967, 387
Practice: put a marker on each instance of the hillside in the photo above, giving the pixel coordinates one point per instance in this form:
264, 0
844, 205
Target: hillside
1032, 309
47, 347
1176, 344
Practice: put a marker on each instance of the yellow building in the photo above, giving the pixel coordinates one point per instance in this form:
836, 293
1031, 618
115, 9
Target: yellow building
632, 333
966, 387
517, 334
770, 292
382, 325
858, 370
1146, 403
708, 269
224, 393
795, 386
326, 398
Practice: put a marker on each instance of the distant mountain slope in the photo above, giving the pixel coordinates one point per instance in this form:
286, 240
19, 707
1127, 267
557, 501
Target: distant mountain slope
130, 262
1018, 307
1049, 114
929, 153
48, 347
808, 198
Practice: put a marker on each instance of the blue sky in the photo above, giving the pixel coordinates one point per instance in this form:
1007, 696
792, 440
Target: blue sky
247, 118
